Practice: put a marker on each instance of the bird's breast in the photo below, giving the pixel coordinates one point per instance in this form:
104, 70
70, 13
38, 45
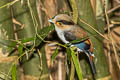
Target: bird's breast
60, 34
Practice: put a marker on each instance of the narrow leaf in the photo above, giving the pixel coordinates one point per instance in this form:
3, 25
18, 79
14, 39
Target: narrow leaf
14, 72
43, 33
68, 54
77, 65
12, 46
54, 55
27, 40
20, 50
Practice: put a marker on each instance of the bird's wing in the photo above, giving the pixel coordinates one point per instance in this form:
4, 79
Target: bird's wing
69, 35
75, 33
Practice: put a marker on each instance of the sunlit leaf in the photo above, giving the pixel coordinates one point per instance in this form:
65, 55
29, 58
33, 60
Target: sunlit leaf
13, 72
27, 40
77, 65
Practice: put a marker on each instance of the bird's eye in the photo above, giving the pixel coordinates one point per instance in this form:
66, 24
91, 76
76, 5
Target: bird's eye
65, 22
58, 23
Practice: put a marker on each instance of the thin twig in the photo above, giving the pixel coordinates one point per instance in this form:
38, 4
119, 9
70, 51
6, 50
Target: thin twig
113, 9
41, 62
110, 37
109, 57
28, 51
93, 29
5, 74
115, 22
9, 4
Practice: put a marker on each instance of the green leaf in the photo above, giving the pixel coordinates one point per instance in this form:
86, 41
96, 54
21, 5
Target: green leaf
77, 65
14, 72
43, 33
68, 54
27, 40
12, 46
54, 55
20, 50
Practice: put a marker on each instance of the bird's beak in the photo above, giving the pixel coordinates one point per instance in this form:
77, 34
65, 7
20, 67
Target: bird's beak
52, 21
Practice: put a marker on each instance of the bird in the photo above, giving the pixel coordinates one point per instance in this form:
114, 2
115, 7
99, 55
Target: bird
68, 31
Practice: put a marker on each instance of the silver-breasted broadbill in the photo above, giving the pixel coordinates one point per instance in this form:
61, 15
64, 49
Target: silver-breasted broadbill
68, 31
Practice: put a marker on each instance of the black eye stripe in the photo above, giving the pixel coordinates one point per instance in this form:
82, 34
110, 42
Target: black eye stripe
66, 22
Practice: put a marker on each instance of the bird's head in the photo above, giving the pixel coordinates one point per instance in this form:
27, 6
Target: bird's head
62, 21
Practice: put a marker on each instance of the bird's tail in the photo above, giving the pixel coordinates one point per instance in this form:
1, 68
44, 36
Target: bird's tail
90, 58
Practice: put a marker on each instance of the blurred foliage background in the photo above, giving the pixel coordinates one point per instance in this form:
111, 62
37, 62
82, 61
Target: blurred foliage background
31, 50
